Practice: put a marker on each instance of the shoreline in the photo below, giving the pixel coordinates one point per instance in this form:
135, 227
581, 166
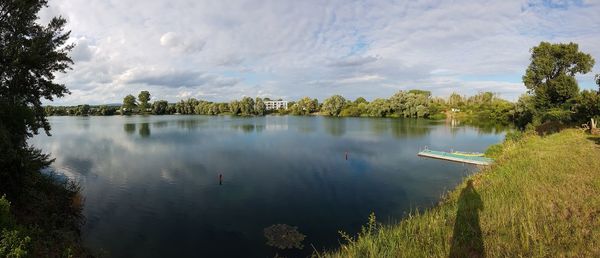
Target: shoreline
516, 207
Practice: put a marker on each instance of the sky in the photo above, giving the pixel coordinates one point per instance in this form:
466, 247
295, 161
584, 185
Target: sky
224, 50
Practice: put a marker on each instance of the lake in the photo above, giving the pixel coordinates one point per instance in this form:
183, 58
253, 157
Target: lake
152, 188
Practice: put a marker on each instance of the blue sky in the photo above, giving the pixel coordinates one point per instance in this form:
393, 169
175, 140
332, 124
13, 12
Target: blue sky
223, 50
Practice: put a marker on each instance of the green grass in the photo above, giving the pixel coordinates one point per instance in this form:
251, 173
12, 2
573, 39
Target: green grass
540, 199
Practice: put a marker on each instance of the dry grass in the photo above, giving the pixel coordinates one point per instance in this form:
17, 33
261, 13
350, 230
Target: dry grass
541, 199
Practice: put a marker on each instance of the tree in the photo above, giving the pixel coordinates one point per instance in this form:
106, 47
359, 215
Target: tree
83, 110
360, 100
129, 103
333, 105
421, 92
550, 76
305, 106
144, 98
160, 107
106, 110
234, 107
378, 108
247, 106
410, 104
31, 55
524, 111
455, 100
259, 107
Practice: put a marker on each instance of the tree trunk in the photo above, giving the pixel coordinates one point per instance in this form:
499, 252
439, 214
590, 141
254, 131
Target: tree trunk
593, 128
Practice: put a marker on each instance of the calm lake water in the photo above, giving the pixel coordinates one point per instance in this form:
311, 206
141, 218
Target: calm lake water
151, 183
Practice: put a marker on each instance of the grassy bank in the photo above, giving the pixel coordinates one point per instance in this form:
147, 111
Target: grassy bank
541, 199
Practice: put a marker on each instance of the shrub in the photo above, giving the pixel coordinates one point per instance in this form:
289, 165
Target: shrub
13, 244
4, 212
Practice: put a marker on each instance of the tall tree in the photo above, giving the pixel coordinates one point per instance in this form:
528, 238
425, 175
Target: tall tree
334, 105
129, 103
247, 106
160, 107
550, 76
144, 98
31, 55
234, 107
259, 107
455, 100
305, 106
360, 100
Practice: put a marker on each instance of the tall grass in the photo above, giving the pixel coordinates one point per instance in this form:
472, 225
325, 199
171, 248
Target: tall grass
540, 199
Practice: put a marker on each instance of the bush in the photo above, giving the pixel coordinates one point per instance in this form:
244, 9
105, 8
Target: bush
4, 213
514, 136
557, 114
13, 244
494, 150
438, 116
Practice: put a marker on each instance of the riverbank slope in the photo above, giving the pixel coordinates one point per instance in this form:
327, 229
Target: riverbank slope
541, 198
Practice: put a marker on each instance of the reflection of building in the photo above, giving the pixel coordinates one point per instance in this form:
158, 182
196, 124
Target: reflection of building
276, 104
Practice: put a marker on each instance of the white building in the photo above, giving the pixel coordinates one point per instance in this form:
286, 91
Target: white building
276, 104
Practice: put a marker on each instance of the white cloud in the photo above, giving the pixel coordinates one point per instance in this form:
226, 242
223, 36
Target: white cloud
222, 50
362, 79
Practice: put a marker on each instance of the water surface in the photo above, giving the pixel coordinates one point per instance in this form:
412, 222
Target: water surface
151, 183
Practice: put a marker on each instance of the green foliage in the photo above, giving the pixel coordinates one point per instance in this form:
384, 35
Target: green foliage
378, 108
515, 136
31, 55
556, 114
524, 111
410, 104
360, 100
186, 107
494, 150
333, 105
305, 106
144, 98
83, 110
550, 76
106, 110
160, 107
437, 116
421, 92
5, 220
247, 106
234, 107
455, 100
13, 244
352, 110
588, 106
259, 107
129, 104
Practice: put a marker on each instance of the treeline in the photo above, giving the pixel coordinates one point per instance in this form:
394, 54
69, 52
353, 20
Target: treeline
553, 95
411, 103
